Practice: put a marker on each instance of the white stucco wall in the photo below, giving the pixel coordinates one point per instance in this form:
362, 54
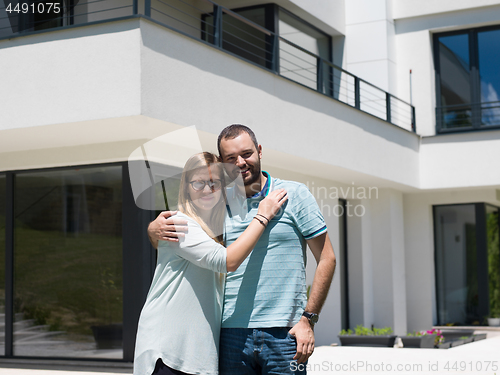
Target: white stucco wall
370, 44
461, 160
388, 261
415, 8
360, 266
71, 75
330, 12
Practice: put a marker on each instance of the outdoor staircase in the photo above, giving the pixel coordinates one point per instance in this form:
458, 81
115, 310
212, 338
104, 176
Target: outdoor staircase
27, 333
38, 341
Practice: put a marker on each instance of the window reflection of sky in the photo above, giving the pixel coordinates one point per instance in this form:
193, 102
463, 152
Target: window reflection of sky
489, 59
488, 62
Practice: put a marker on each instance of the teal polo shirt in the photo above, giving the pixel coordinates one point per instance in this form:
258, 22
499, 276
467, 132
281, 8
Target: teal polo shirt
269, 287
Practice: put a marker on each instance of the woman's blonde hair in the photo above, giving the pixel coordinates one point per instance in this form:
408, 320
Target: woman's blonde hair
185, 205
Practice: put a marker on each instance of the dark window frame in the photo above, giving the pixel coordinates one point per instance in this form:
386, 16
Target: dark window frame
482, 252
475, 82
138, 257
344, 281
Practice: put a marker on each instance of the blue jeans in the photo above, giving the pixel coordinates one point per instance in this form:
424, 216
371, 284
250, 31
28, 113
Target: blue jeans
264, 351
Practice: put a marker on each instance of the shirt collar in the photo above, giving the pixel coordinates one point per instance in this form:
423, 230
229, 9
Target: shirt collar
265, 190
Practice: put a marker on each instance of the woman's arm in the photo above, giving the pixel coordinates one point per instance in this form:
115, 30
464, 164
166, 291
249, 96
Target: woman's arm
242, 247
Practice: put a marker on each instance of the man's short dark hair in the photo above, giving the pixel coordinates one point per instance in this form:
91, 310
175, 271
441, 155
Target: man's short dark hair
232, 131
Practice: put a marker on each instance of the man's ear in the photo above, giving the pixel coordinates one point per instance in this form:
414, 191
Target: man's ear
260, 152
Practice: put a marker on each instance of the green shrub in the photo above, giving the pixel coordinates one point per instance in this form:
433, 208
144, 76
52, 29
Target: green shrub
364, 331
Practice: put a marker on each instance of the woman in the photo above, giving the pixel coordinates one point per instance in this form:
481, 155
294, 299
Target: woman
180, 322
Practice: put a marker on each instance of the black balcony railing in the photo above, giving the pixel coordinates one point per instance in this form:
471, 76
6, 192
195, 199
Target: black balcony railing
229, 31
470, 116
22, 17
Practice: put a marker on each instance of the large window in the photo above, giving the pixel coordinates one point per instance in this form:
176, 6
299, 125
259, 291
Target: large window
467, 79
68, 294
467, 263
3, 200
296, 64
68, 236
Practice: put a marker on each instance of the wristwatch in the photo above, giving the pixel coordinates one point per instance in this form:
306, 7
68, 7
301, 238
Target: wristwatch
312, 317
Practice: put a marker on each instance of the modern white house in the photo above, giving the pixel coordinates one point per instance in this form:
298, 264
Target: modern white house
388, 110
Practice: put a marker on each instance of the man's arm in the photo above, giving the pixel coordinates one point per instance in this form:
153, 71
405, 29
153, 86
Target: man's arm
322, 249
166, 228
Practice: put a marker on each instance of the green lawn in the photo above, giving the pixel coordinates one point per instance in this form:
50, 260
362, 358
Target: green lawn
68, 282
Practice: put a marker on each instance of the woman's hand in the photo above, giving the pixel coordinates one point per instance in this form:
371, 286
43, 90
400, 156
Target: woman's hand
271, 204
239, 249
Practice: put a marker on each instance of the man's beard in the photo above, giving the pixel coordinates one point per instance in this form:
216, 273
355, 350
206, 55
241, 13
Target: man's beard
254, 175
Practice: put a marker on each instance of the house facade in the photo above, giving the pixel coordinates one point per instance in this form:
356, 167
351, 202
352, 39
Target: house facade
387, 110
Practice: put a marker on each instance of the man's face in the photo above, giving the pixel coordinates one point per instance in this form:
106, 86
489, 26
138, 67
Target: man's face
241, 153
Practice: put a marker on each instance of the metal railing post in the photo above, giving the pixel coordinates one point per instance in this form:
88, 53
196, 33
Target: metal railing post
275, 58
319, 74
413, 120
218, 26
438, 120
147, 8
388, 107
136, 6
357, 95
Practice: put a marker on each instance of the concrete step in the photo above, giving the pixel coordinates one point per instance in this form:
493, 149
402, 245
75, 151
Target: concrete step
37, 336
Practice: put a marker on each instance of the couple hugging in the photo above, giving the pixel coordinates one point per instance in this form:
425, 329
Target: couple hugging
229, 290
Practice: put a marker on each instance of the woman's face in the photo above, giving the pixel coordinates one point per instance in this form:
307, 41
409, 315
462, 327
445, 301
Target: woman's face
204, 187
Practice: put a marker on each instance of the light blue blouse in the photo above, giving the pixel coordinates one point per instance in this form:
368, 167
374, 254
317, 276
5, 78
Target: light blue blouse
180, 321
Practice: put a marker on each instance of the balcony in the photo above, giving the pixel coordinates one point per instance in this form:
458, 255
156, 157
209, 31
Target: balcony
225, 30
468, 117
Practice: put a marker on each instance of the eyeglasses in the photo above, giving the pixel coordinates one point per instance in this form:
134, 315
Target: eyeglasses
199, 185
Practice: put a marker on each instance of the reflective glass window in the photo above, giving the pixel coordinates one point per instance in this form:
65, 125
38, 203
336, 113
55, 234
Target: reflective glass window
469, 79
295, 63
489, 74
68, 297
245, 40
455, 81
467, 263
456, 266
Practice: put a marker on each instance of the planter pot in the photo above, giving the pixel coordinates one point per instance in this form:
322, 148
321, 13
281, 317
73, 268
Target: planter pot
456, 343
353, 340
494, 322
455, 334
444, 345
108, 336
426, 341
479, 336
468, 339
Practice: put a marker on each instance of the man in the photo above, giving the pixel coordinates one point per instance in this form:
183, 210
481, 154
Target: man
267, 325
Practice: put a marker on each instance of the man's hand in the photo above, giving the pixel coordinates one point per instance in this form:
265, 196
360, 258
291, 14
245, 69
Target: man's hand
304, 335
167, 228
